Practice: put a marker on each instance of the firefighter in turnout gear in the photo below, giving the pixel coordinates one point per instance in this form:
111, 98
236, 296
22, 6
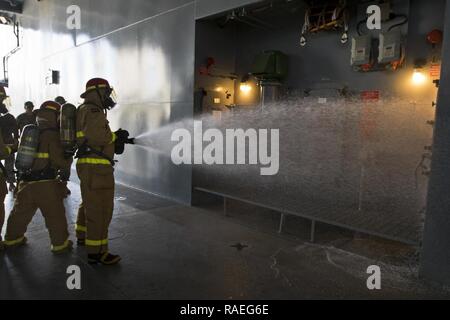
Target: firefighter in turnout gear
26, 118
97, 145
10, 132
38, 185
5, 151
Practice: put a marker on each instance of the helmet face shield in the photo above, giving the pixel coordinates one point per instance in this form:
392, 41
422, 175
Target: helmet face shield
6, 103
110, 99
113, 95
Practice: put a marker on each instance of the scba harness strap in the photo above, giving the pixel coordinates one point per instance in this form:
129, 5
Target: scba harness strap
85, 150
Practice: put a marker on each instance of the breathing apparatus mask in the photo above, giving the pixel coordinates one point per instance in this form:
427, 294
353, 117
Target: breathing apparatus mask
108, 98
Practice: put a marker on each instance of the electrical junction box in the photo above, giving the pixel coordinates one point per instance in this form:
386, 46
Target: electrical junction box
270, 65
361, 50
390, 48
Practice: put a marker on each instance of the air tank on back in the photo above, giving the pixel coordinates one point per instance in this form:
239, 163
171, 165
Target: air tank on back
68, 133
28, 147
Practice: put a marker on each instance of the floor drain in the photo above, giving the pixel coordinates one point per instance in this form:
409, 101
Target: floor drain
239, 246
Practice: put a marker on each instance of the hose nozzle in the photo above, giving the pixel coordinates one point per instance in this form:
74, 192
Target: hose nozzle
130, 141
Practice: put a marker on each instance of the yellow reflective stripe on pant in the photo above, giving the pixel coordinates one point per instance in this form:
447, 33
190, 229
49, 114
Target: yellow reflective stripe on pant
13, 242
80, 228
61, 247
96, 243
93, 161
80, 134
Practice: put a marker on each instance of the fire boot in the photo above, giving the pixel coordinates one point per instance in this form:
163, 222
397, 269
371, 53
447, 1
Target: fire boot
66, 247
15, 243
104, 258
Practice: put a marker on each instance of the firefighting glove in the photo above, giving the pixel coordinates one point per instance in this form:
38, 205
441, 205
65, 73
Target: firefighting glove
119, 147
122, 136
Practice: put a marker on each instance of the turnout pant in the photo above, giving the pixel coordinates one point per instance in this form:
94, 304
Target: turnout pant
65, 174
96, 209
9, 166
3, 193
46, 196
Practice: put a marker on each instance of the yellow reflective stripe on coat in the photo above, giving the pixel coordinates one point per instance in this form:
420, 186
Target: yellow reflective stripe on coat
93, 161
80, 228
114, 138
80, 134
13, 242
8, 150
61, 247
42, 156
96, 243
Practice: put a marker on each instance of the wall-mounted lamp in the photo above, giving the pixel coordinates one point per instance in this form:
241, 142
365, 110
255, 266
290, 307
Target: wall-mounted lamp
419, 78
245, 87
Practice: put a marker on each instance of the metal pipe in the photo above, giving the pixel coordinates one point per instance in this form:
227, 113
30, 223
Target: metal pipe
16, 30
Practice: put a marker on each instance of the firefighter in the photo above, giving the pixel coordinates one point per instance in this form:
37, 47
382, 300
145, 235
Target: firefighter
10, 132
5, 151
61, 100
38, 187
97, 146
26, 118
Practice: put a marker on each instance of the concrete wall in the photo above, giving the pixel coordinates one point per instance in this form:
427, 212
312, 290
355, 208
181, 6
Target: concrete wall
146, 50
324, 57
336, 154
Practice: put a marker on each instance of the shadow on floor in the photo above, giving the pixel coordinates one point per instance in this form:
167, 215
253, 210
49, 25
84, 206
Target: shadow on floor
172, 251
